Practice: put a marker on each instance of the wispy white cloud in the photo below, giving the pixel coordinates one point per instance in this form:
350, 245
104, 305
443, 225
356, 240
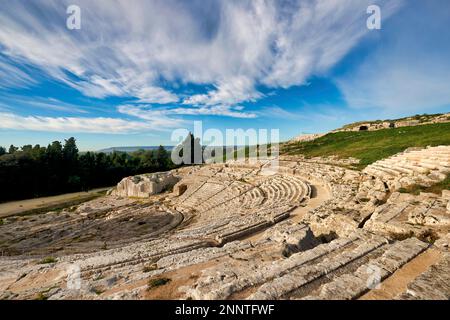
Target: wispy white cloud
158, 117
147, 112
47, 104
228, 92
280, 113
13, 77
216, 110
136, 50
13, 121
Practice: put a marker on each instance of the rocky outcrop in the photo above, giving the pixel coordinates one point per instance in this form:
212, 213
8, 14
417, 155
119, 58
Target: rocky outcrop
434, 284
399, 123
307, 137
143, 186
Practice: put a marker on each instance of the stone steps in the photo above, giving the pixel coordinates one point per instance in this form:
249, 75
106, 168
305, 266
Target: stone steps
433, 284
413, 167
253, 275
366, 277
395, 167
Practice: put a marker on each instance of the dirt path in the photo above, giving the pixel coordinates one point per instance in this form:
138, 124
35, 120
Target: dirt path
397, 283
319, 196
19, 207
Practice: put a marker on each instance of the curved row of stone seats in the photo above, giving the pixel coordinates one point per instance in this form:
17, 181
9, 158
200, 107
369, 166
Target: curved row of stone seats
235, 173
233, 227
192, 187
114, 261
252, 199
405, 214
209, 170
285, 189
401, 168
238, 199
228, 193
201, 255
243, 164
196, 178
235, 207
243, 228
425, 166
204, 187
221, 232
312, 278
203, 194
433, 284
255, 277
353, 285
327, 174
238, 275
243, 199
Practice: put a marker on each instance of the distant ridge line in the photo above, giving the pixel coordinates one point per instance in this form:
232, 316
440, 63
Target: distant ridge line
133, 149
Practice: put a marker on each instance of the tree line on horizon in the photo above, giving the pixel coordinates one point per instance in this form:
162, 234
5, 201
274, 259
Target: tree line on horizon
36, 171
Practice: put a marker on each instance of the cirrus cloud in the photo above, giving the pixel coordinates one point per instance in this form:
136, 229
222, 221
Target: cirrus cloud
139, 50
73, 124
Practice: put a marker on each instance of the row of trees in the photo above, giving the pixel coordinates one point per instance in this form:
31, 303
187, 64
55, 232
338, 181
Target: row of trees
35, 171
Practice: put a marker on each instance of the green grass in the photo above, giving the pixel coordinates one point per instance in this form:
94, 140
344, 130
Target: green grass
153, 283
245, 154
443, 185
41, 296
98, 291
371, 146
48, 260
420, 117
150, 267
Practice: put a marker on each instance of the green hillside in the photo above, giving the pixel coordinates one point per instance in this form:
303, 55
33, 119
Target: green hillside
370, 146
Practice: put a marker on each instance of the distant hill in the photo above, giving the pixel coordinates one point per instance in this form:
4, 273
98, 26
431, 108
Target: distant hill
370, 146
417, 120
133, 149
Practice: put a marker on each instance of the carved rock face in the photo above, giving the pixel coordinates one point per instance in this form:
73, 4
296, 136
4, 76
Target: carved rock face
179, 189
143, 186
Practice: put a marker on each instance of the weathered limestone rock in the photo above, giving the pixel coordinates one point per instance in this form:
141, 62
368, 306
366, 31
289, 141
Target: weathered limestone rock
406, 122
351, 286
143, 186
434, 284
443, 243
334, 225
292, 237
446, 196
179, 189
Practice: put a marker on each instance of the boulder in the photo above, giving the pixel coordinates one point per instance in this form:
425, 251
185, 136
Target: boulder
292, 237
179, 189
143, 186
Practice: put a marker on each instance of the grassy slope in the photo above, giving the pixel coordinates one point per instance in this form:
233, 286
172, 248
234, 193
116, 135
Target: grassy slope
420, 117
371, 146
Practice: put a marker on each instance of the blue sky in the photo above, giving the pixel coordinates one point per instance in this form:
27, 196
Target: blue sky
137, 70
